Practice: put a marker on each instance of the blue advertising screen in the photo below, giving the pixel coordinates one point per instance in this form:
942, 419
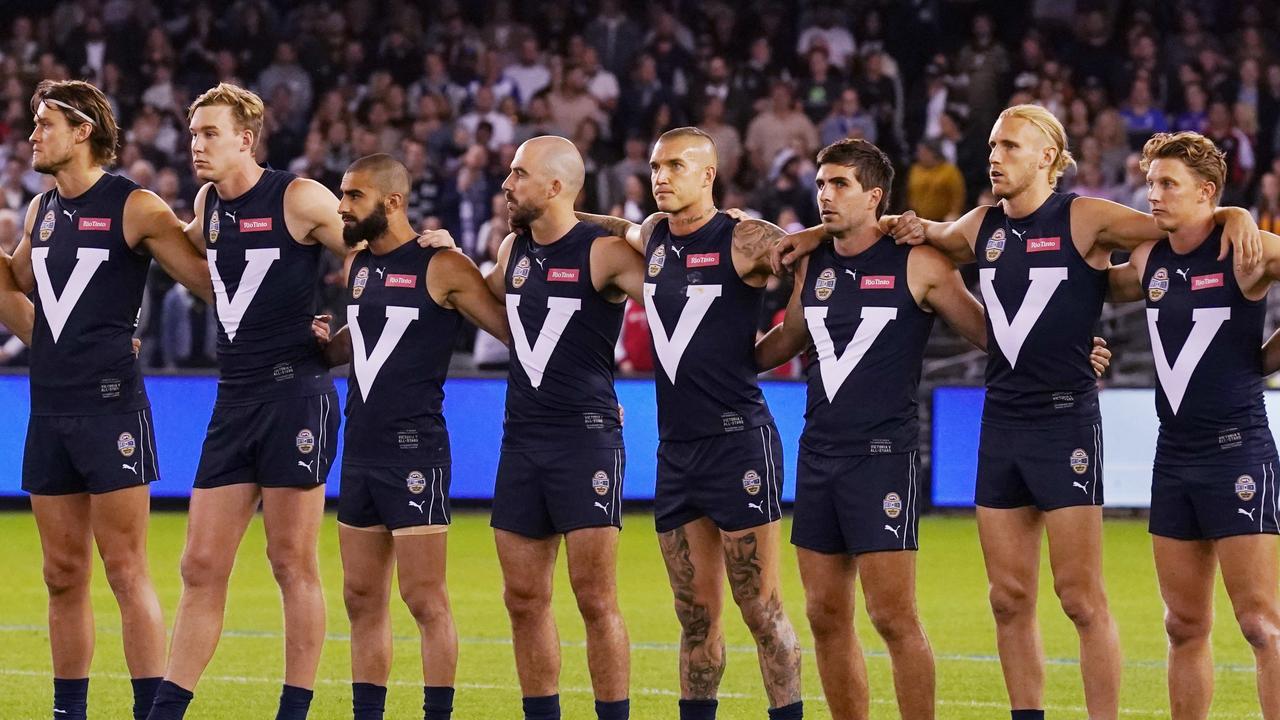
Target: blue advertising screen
181, 406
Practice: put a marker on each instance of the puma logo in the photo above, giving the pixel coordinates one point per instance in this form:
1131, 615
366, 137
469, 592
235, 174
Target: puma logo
758, 506
70, 215
540, 261
604, 507
676, 250
380, 271
1247, 513
1083, 488
852, 273
418, 505
893, 529
131, 468
1019, 234
230, 215
306, 465
1183, 272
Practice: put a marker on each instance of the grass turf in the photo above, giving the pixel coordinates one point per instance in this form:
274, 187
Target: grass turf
243, 681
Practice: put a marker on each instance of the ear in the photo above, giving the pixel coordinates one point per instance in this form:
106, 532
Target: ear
1207, 190
393, 202
247, 140
554, 188
709, 176
83, 131
1047, 156
874, 197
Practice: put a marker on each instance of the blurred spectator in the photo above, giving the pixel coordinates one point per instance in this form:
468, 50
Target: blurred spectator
828, 31
847, 120
529, 74
781, 126
935, 189
285, 70
1267, 209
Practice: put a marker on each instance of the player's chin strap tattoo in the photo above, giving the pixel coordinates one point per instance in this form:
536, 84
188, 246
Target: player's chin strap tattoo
776, 641
701, 656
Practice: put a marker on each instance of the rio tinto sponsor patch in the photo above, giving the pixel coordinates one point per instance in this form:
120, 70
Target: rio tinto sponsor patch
1204, 282
697, 260
248, 225
94, 224
401, 280
562, 275
1049, 244
876, 282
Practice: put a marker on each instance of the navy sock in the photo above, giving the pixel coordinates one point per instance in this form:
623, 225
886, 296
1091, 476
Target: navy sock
698, 709
368, 701
616, 710
437, 703
71, 698
144, 695
1026, 714
171, 702
295, 703
794, 711
542, 708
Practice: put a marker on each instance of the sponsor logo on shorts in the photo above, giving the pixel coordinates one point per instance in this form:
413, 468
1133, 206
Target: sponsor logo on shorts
1159, 285
697, 260
995, 245
1245, 488
215, 228
126, 444
892, 505
94, 224
521, 273
1049, 244
876, 282
1204, 282
46, 225
562, 275
248, 225
416, 482
1079, 461
400, 280
357, 285
305, 441
657, 260
600, 482
751, 482
825, 284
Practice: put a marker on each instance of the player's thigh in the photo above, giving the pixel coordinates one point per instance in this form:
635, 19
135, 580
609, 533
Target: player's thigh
828, 580
292, 517
120, 520
528, 564
420, 563
1010, 539
694, 557
593, 556
752, 558
1185, 569
889, 582
66, 539
1249, 571
1075, 546
217, 518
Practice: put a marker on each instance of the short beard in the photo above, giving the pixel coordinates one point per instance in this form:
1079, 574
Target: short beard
367, 228
523, 216
48, 167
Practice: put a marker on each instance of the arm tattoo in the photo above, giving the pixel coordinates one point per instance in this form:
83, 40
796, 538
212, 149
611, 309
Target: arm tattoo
755, 238
702, 658
646, 228
613, 225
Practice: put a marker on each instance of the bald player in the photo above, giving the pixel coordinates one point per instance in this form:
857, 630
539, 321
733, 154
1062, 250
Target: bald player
405, 303
718, 502
564, 284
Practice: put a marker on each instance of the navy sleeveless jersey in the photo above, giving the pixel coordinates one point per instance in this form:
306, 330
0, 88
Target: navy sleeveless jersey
863, 365
401, 343
1043, 301
89, 285
560, 385
265, 284
703, 320
1206, 339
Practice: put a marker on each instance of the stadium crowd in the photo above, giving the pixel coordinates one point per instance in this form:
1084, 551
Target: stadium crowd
453, 87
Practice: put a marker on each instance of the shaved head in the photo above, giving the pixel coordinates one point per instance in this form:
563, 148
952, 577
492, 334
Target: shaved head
557, 159
692, 138
386, 174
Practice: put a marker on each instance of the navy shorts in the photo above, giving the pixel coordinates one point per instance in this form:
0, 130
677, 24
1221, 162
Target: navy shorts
67, 454
734, 479
394, 498
546, 492
1047, 468
857, 504
278, 443
1207, 502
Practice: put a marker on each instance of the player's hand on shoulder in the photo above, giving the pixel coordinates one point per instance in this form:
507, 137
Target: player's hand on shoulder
738, 214
436, 239
1241, 232
320, 329
1100, 356
906, 228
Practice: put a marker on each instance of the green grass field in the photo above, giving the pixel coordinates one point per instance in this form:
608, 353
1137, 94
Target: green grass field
243, 680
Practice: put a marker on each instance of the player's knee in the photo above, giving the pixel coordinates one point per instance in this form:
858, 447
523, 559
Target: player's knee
125, 575
764, 618
363, 600
827, 618
1010, 603
1260, 629
202, 570
1083, 607
65, 575
428, 604
526, 603
697, 623
292, 568
1184, 629
596, 605
893, 623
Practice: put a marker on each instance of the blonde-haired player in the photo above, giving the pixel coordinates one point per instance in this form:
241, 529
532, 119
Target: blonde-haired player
273, 432
1042, 265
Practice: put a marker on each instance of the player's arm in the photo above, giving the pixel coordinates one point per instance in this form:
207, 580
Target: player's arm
786, 339
152, 222
455, 283
956, 239
20, 263
614, 266
195, 229
1124, 281
16, 311
636, 235
753, 245
338, 350
946, 294
311, 212
496, 279
1118, 227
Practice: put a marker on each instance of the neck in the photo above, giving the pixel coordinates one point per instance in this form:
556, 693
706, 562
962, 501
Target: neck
690, 219
1190, 234
239, 181
1027, 201
76, 178
554, 223
399, 232
857, 239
